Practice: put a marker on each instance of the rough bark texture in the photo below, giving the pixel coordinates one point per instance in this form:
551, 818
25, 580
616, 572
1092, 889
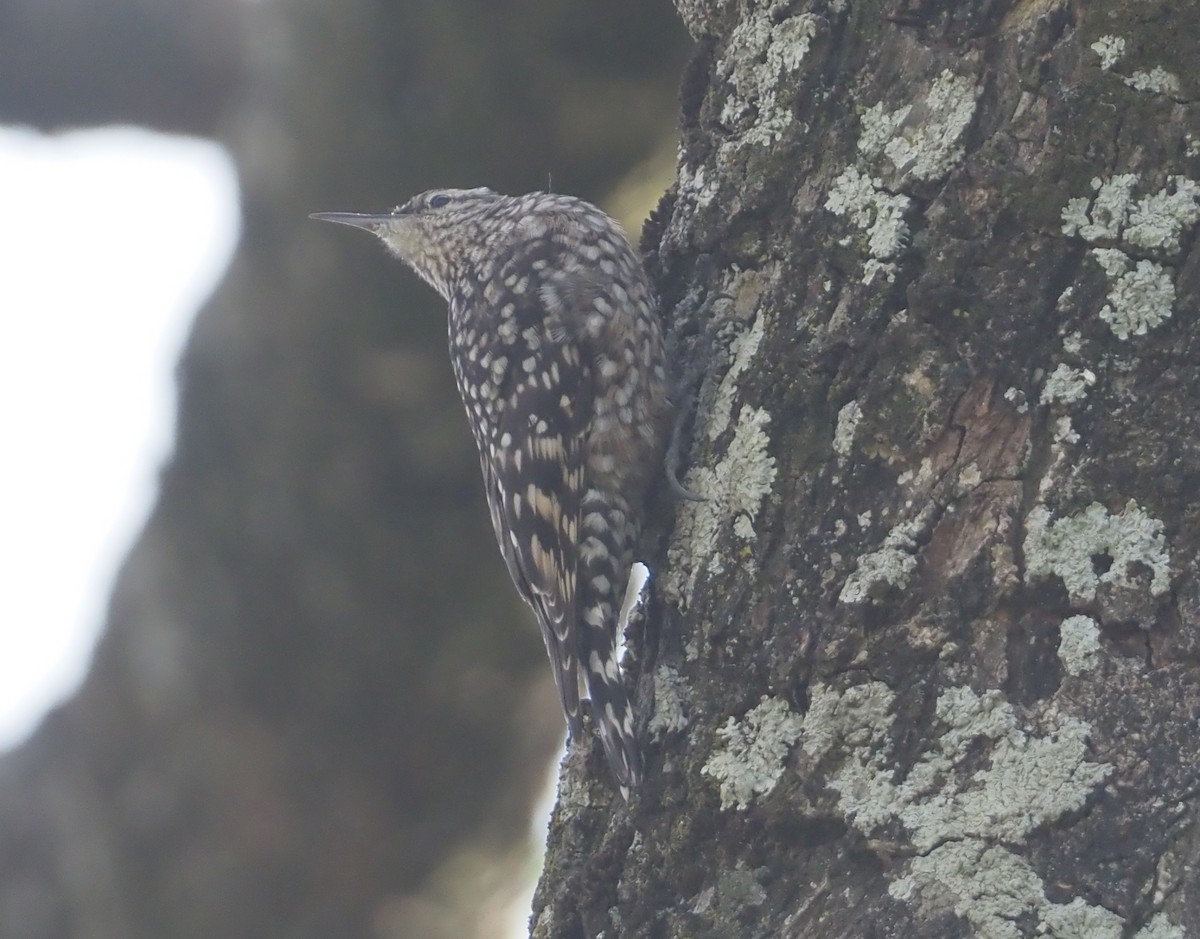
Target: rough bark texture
926, 661
319, 708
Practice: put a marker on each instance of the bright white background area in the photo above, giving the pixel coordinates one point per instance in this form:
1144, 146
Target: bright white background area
109, 242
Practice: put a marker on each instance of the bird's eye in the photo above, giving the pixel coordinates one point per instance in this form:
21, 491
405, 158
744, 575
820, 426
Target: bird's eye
436, 202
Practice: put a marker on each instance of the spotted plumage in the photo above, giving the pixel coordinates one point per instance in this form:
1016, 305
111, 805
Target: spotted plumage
558, 355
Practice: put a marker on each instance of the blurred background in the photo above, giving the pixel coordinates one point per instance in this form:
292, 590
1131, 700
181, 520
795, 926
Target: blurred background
247, 563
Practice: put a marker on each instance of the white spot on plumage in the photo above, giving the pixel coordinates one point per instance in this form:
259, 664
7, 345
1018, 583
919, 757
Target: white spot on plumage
592, 549
606, 667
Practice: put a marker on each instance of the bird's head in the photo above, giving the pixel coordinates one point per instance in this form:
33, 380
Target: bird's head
435, 233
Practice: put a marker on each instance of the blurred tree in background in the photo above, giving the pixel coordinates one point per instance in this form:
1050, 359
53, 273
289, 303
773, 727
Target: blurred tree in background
318, 709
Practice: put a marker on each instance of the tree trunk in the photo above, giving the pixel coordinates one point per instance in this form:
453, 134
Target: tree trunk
925, 663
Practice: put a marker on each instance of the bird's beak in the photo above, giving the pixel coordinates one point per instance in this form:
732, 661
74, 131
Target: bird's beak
371, 223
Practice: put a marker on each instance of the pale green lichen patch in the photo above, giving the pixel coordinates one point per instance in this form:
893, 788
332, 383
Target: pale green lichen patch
669, 713
1155, 221
695, 183
1110, 49
1141, 294
1157, 80
879, 126
859, 715
1160, 928
1063, 431
959, 815
847, 423
990, 887
1032, 779
1016, 397
750, 761
1079, 644
873, 268
1065, 548
1158, 220
890, 566
742, 353
930, 149
872, 209
1067, 385
1080, 920
918, 150
1100, 216
758, 54
734, 491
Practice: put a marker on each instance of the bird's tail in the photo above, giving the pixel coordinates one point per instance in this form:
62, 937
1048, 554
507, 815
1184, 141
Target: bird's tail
614, 721
604, 572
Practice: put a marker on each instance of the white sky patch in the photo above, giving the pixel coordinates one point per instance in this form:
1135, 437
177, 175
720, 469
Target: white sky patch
515, 917
95, 302
639, 575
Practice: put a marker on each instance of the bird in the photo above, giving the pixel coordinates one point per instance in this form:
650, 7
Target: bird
558, 353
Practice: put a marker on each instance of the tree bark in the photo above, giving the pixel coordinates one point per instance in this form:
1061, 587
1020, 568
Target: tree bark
925, 663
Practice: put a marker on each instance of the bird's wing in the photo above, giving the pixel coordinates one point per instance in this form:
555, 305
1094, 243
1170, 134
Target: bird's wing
535, 482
